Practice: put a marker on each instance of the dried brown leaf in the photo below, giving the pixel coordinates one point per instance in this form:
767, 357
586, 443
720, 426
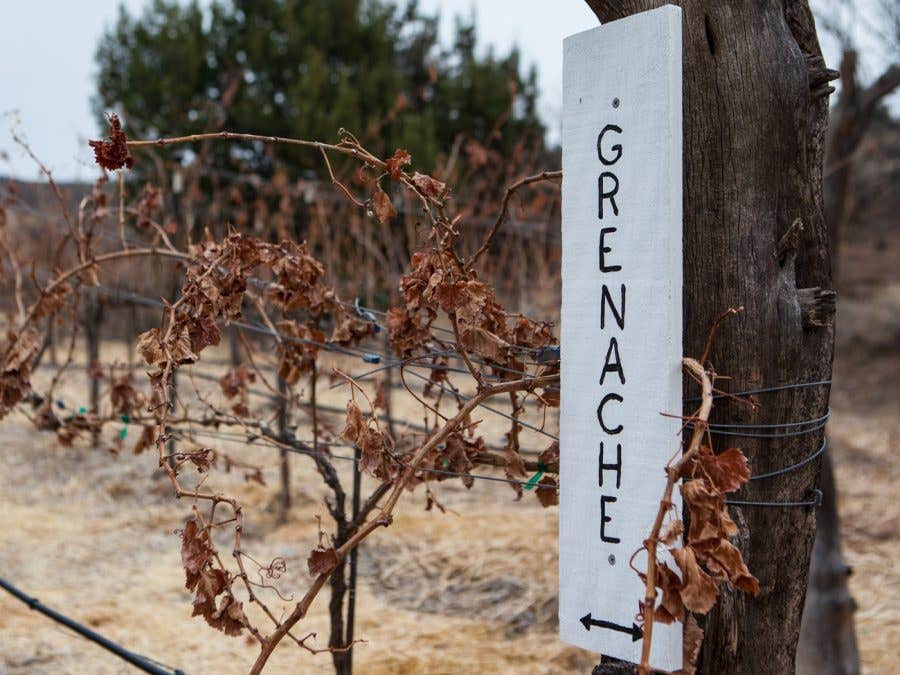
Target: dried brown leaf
203, 458
699, 591
321, 561
149, 345
672, 532
229, 617
728, 470
709, 514
550, 457
693, 638
395, 164
125, 399
210, 583
671, 607
725, 560
428, 186
146, 440
355, 425
112, 152
196, 552
384, 209
547, 491
485, 343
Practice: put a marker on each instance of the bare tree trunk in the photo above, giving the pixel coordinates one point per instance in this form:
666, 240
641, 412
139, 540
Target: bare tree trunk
755, 111
338, 582
851, 118
828, 637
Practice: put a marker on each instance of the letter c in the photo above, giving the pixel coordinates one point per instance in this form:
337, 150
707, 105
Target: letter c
614, 397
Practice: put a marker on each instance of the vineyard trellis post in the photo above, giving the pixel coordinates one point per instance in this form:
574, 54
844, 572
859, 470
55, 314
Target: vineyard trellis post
93, 328
755, 99
354, 562
284, 497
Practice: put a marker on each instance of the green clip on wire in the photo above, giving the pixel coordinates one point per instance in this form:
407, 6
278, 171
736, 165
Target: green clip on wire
536, 477
124, 432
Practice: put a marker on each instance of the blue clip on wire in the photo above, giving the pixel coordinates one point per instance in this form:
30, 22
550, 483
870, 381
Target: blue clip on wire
367, 315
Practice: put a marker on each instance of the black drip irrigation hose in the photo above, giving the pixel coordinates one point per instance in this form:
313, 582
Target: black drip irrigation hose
141, 662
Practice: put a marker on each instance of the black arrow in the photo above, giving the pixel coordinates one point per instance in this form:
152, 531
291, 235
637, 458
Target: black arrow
635, 631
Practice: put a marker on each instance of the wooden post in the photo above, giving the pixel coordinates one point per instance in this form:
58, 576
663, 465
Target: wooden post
93, 319
828, 638
754, 122
388, 385
354, 559
234, 349
284, 497
131, 334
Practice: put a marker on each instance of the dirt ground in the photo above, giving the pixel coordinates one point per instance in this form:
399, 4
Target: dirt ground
94, 536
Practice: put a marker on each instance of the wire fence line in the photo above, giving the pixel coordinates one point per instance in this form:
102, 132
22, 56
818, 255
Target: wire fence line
306, 447
780, 430
265, 440
369, 357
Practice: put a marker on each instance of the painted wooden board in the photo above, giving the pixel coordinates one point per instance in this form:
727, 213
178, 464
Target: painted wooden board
621, 322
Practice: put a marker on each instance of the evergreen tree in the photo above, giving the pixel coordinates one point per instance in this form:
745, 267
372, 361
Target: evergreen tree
304, 69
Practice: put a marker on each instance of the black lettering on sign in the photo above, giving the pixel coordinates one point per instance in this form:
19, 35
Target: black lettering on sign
615, 148
604, 249
613, 366
617, 466
609, 397
607, 189
606, 298
604, 519
608, 194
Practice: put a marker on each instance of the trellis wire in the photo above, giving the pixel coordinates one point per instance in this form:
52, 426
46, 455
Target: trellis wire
249, 439
809, 426
334, 409
814, 425
793, 467
333, 348
369, 357
273, 443
815, 501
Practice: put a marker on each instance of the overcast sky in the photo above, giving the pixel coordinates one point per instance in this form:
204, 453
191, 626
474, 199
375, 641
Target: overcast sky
47, 68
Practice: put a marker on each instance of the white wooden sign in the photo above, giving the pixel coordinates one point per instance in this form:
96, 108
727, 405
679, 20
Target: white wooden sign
621, 322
